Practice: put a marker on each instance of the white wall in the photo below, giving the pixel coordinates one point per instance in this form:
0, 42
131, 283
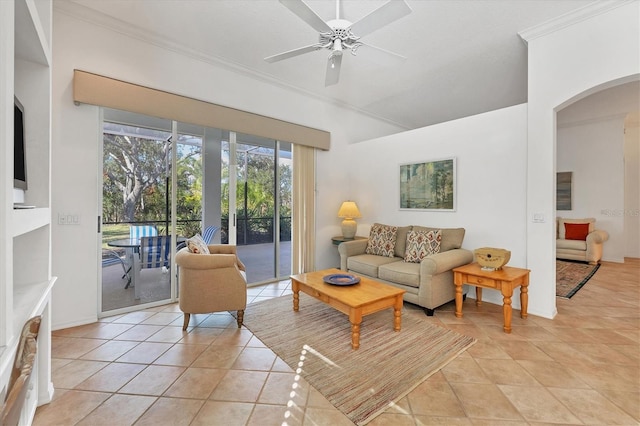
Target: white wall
593, 151
79, 44
566, 63
490, 152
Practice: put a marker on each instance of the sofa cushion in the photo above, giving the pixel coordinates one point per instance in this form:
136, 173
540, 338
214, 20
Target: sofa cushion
421, 244
401, 240
368, 264
451, 237
576, 231
382, 240
561, 221
404, 273
571, 244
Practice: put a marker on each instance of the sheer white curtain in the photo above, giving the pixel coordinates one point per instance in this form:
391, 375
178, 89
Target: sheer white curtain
304, 209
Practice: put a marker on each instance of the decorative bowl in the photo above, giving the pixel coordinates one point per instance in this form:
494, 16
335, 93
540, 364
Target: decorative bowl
492, 258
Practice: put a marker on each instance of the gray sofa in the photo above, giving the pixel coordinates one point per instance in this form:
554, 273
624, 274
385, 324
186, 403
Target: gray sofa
429, 283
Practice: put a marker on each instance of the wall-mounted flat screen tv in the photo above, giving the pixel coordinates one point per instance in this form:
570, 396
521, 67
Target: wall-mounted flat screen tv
19, 153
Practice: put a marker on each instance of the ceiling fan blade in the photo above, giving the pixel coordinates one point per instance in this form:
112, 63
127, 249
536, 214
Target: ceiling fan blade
291, 53
305, 13
333, 70
378, 54
385, 14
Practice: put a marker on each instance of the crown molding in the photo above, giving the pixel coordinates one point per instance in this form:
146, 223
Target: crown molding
571, 18
93, 17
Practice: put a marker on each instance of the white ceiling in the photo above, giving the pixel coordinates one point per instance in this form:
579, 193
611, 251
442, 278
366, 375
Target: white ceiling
464, 57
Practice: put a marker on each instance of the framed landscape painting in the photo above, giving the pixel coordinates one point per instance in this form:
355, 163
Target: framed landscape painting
429, 185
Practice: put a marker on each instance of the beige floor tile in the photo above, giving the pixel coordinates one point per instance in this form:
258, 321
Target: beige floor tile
171, 411
435, 398
108, 331
275, 415
153, 380
180, 355
591, 407
325, 417
118, 410
73, 347
627, 401
223, 413
261, 359
145, 352
111, 378
506, 372
464, 370
240, 386
75, 372
57, 363
134, 317
139, 333
69, 408
218, 357
201, 336
522, 350
552, 374
219, 320
110, 351
233, 337
442, 421
279, 388
485, 401
529, 400
162, 318
196, 383
487, 350
168, 335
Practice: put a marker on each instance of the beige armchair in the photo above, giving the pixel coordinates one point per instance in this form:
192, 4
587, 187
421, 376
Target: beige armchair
211, 282
584, 245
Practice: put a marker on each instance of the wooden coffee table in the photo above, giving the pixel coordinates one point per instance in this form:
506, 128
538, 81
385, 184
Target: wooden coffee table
358, 300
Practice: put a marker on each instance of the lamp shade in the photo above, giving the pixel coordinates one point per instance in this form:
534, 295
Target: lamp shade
349, 210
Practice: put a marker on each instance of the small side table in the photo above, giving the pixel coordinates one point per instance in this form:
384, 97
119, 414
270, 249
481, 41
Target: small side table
505, 280
340, 239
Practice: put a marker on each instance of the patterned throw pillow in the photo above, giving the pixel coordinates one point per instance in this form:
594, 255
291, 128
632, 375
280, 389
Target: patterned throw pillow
382, 240
421, 244
196, 244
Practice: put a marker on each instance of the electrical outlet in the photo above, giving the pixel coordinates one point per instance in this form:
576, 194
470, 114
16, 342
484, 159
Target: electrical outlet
62, 219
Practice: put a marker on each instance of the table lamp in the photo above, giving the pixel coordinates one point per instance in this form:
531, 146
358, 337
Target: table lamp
349, 211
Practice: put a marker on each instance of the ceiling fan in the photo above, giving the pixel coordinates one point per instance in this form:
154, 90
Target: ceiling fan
339, 34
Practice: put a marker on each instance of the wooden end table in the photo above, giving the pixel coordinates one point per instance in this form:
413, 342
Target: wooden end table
358, 300
505, 280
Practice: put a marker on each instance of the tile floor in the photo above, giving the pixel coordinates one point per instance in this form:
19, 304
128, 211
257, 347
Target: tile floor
581, 368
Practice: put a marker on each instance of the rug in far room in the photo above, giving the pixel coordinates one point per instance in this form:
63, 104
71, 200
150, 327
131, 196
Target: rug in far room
572, 276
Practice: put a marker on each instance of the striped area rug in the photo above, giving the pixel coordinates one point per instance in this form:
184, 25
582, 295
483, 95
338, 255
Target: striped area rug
361, 383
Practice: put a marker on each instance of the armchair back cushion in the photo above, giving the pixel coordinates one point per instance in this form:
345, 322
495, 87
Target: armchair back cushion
562, 232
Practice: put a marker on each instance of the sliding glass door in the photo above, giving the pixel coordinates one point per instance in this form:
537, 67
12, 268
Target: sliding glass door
173, 180
256, 204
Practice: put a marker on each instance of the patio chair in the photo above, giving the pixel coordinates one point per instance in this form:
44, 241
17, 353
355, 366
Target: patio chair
213, 282
138, 231
155, 251
209, 233
115, 256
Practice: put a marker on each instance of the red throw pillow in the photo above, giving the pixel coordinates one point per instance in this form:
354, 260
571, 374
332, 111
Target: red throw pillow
576, 231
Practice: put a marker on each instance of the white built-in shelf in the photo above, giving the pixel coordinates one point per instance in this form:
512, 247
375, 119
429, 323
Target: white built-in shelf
28, 301
27, 220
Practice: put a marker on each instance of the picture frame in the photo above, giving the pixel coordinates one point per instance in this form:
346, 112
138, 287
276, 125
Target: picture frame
564, 186
428, 185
